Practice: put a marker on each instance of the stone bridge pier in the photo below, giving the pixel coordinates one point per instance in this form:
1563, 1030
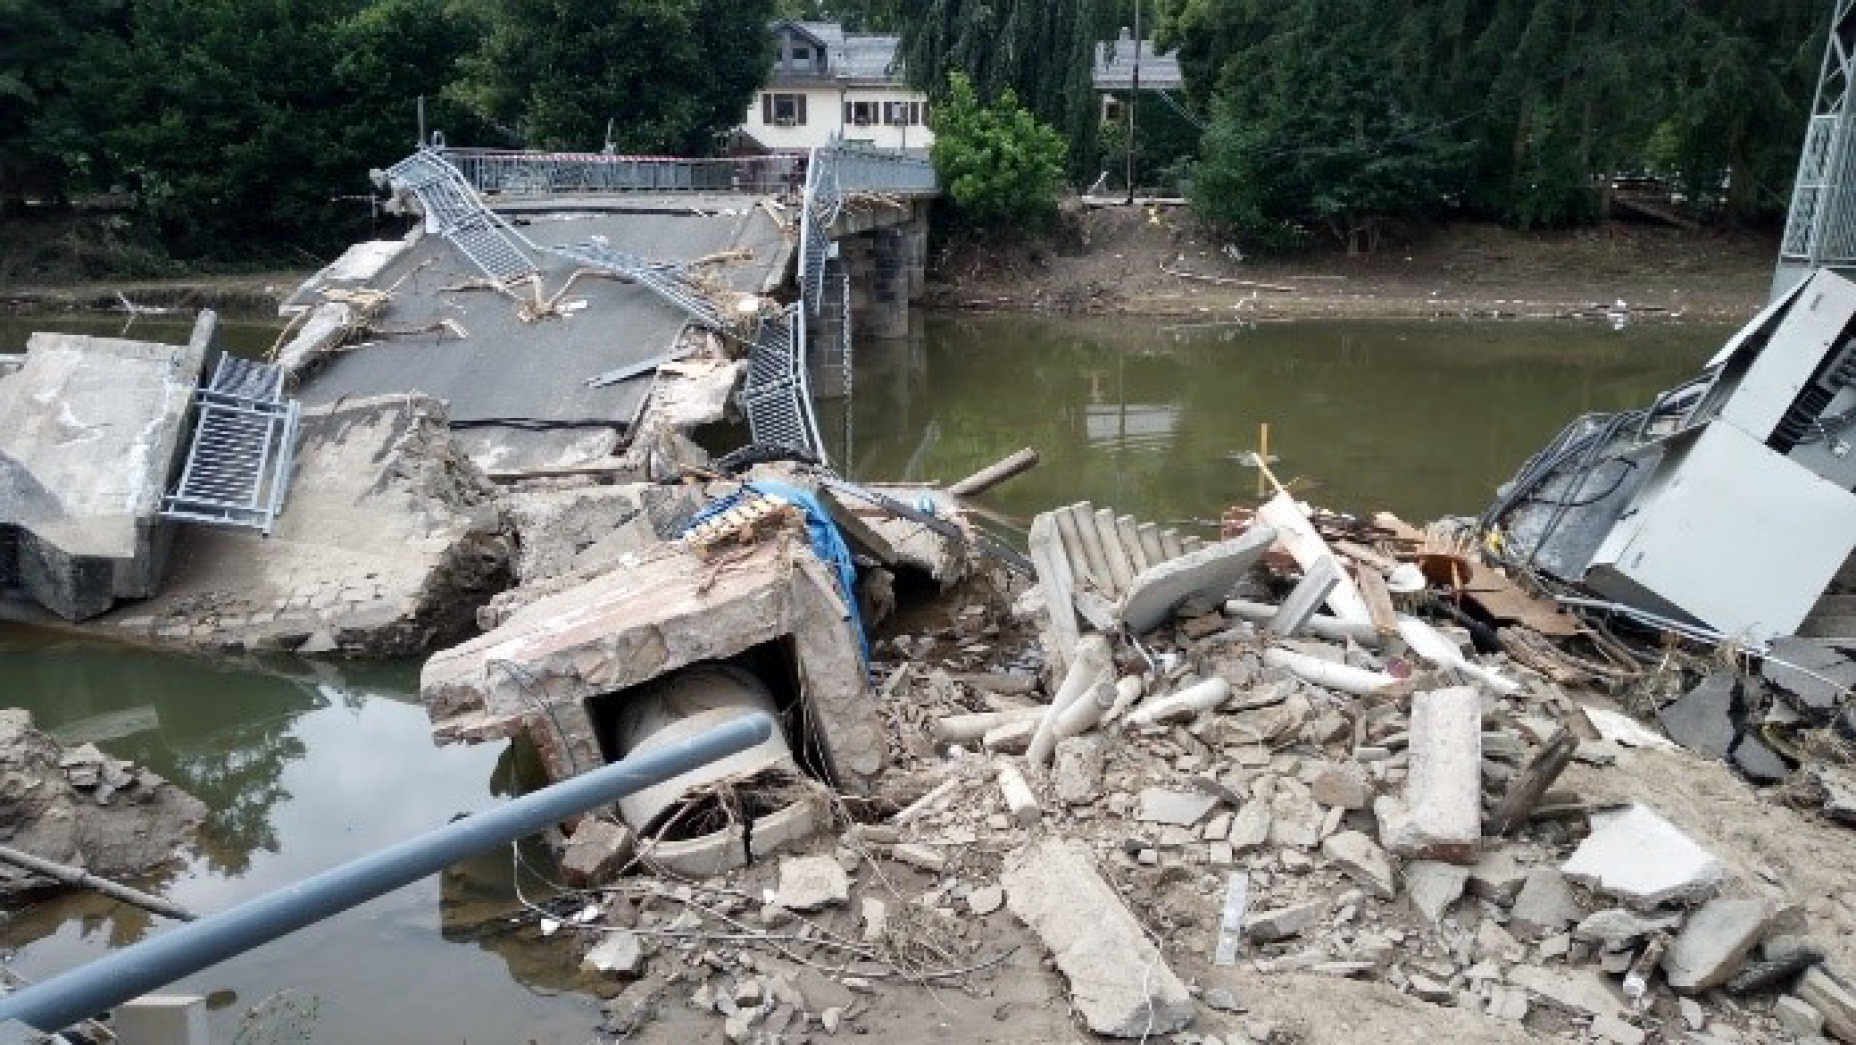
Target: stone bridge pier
884, 250
880, 268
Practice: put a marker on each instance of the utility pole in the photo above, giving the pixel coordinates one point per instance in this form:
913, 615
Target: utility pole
1134, 95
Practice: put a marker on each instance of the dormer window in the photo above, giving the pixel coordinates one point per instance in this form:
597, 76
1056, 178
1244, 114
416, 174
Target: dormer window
802, 57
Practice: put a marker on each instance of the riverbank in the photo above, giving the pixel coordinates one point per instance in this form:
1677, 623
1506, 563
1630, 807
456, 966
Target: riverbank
1157, 262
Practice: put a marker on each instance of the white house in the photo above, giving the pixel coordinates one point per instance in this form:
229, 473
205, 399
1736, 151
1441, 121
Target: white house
827, 83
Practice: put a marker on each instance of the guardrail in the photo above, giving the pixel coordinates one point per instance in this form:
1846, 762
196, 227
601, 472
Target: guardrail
510, 172
514, 173
140, 968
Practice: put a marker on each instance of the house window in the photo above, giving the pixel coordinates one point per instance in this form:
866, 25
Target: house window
802, 57
783, 110
860, 114
902, 114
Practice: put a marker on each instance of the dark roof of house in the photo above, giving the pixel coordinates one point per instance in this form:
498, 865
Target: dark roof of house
867, 58
1114, 67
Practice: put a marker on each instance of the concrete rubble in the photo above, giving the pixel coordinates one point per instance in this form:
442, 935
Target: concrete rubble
1143, 787
1356, 818
79, 807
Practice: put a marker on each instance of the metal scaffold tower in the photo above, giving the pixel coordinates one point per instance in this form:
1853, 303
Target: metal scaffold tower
1820, 231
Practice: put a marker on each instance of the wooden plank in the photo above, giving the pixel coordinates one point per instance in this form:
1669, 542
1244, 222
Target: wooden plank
1378, 600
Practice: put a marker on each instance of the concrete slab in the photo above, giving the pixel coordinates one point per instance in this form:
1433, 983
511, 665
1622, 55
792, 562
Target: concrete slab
620, 325
94, 430
1208, 574
389, 542
636, 623
1643, 860
1118, 980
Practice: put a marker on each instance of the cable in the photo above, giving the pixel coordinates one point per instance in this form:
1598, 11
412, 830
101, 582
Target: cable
537, 424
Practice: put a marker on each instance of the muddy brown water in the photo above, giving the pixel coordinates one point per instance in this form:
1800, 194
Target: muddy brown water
305, 766
244, 336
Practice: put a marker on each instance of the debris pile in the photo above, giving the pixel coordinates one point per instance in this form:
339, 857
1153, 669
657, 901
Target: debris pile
1264, 759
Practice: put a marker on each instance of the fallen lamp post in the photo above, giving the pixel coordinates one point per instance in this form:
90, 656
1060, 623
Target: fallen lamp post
129, 973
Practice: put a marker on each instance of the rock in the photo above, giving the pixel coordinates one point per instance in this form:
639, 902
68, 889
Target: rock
1020, 803
1363, 861
1545, 903
1221, 1000
1615, 928
1692, 1015
986, 899
925, 857
1703, 719
1250, 828
1644, 860
1342, 785
1797, 1015
1508, 1003
1497, 876
1118, 981
808, 883
1612, 1028
595, 852
1839, 788
830, 1018
1077, 773
1761, 764
1815, 675
875, 915
1428, 989
1581, 990
1283, 922
1442, 814
1832, 999
1434, 886
1715, 941
621, 953
1178, 808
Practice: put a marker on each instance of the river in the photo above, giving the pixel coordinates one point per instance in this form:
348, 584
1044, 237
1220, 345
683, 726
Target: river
307, 765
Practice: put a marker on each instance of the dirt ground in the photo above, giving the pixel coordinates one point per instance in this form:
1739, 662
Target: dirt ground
1121, 260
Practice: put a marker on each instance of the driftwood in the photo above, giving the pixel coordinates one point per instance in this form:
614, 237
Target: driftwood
1526, 791
1225, 281
82, 879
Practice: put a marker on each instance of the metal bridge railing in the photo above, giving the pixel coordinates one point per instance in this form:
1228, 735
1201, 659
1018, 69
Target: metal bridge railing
522, 173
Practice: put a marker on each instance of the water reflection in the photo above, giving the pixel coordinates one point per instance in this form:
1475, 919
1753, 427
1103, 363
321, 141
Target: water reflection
304, 767
1422, 419
246, 337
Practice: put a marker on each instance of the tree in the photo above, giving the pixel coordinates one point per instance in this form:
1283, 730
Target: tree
1323, 138
999, 165
670, 75
1040, 49
857, 16
1538, 101
40, 54
239, 123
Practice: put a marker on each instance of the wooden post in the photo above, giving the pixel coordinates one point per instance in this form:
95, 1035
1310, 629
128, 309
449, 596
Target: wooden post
994, 474
1263, 459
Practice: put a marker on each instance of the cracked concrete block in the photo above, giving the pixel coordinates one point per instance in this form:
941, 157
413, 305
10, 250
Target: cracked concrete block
1643, 860
1207, 574
1441, 818
1118, 981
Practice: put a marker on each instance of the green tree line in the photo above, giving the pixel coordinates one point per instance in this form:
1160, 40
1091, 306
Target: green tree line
247, 127
1341, 115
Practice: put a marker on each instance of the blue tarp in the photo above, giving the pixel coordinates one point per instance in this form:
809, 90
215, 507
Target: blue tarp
827, 543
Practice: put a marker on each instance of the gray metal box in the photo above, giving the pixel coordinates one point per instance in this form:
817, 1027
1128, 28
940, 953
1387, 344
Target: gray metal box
1730, 534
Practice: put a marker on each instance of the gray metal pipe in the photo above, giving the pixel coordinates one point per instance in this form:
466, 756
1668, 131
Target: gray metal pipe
154, 963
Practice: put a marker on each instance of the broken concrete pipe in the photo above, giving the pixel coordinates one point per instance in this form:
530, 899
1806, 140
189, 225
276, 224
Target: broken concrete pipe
682, 704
